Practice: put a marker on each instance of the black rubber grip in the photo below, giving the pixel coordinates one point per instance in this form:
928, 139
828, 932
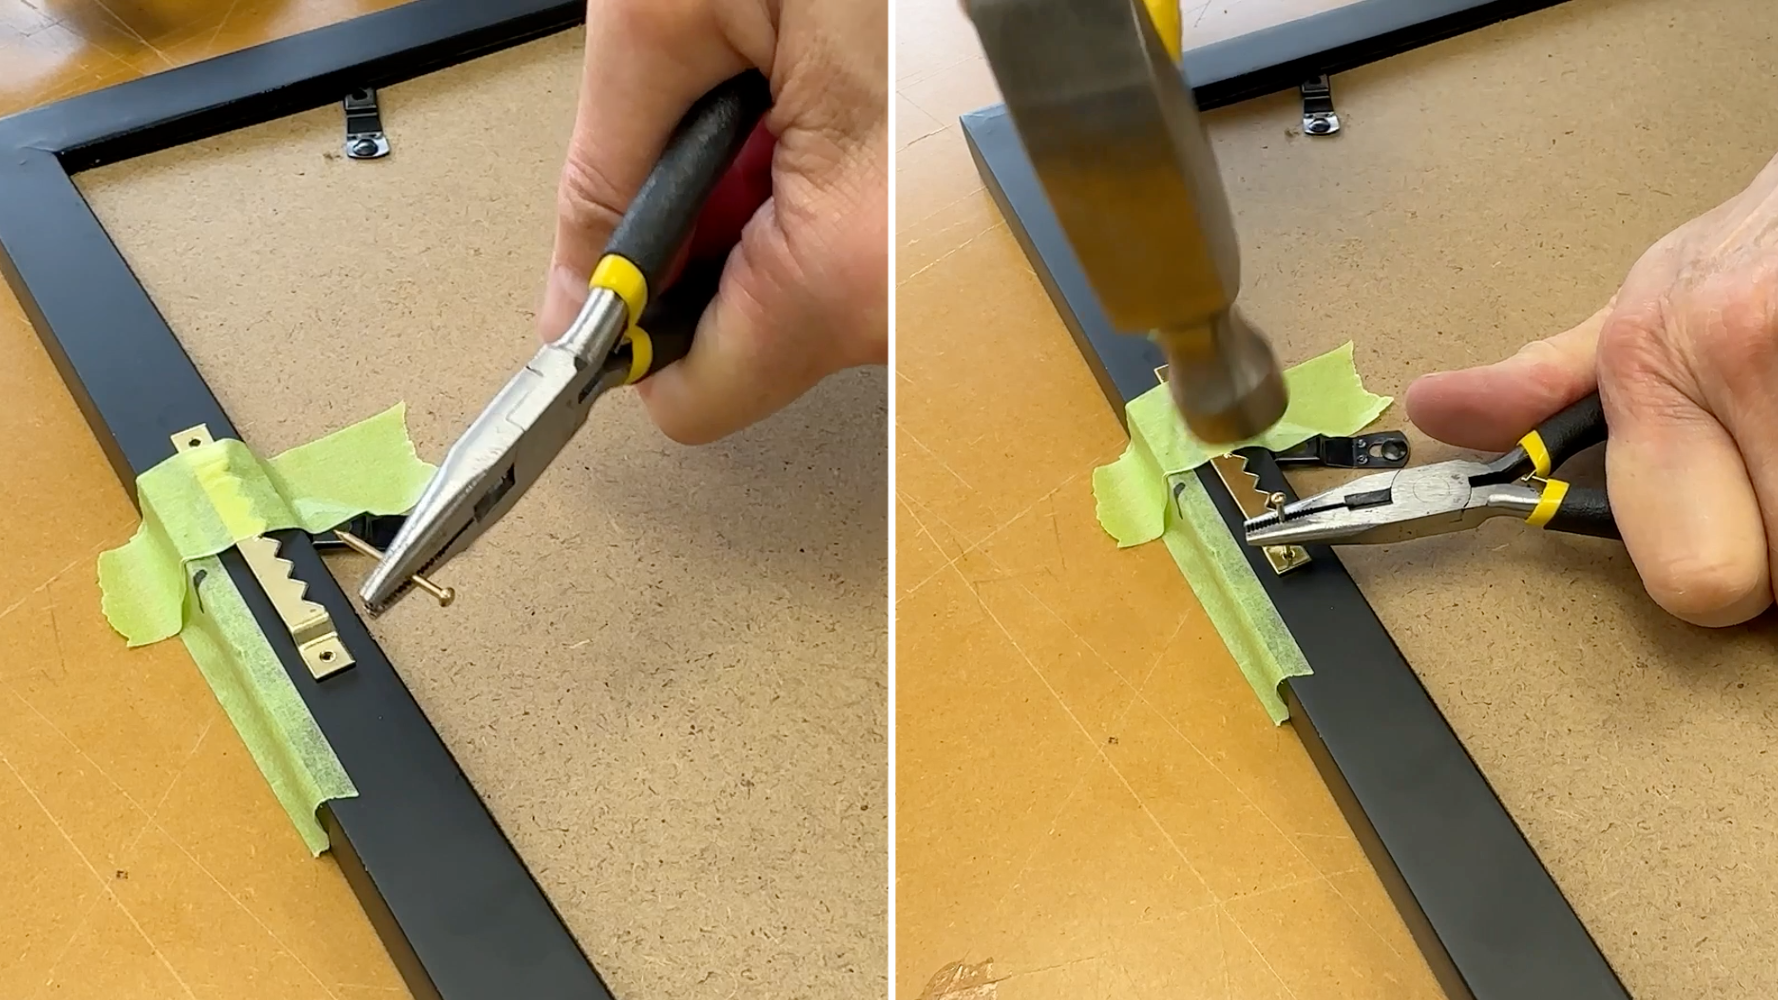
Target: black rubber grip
706, 140
671, 319
1584, 511
1573, 430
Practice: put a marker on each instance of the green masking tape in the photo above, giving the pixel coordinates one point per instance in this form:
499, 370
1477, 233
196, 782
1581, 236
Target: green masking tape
167, 580
1151, 492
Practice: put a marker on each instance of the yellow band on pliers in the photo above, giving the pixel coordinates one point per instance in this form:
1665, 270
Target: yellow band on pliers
1547, 505
1167, 24
624, 278
641, 353
1540, 454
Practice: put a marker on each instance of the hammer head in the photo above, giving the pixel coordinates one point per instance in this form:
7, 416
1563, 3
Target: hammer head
1224, 379
1113, 134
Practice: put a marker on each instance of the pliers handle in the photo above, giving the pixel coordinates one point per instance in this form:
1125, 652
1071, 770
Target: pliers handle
1577, 510
670, 318
666, 256
1456, 495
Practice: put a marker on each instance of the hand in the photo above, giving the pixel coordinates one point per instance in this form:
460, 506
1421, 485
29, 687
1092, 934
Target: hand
1685, 357
805, 292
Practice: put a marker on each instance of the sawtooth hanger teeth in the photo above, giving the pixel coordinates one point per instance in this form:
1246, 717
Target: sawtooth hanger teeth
1243, 486
310, 626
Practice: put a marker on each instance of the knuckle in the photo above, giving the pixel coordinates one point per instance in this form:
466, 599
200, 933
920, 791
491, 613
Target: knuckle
1538, 350
586, 196
1543, 356
1711, 589
1641, 369
1631, 346
1739, 340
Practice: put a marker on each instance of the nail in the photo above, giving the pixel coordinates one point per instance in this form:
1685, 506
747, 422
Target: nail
445, 595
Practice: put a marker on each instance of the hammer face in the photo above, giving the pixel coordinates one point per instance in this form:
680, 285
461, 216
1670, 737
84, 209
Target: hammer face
1224, 379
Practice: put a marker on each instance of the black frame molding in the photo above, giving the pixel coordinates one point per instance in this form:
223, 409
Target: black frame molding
1484, 910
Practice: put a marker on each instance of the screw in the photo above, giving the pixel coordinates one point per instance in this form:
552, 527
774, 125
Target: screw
364, 147
445, 595
1286, 556
1275, 503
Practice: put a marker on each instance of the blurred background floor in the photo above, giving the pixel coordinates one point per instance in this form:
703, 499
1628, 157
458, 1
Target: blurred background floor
1090, 801
50, 49
142, 856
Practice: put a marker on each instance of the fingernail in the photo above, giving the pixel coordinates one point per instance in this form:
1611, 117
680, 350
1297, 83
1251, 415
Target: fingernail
568, 281
563, 293
1430, 381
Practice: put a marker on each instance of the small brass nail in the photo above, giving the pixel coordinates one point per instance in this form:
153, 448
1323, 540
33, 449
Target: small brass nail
445, 595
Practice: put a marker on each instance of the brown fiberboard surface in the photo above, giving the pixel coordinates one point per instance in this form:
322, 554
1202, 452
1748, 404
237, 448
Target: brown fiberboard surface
1486, 191
665, 671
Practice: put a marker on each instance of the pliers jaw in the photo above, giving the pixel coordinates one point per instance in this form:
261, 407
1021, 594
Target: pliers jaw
1395, 506
506, 449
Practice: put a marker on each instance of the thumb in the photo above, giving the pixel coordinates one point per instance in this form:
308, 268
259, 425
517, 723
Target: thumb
1490, 407
760, 344
646, 62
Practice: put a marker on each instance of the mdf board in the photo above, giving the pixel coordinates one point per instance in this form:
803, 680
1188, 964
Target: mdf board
665, 671
1486, 191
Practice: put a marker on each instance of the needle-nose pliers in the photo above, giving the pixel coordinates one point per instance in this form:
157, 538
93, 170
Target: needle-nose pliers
1452, 496
647, 294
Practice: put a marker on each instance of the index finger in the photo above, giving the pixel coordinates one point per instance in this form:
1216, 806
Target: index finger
645, 63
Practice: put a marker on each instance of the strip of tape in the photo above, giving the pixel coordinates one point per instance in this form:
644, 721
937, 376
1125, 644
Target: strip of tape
250, 683
1232, 596
168, 580
201, 501
1151, 492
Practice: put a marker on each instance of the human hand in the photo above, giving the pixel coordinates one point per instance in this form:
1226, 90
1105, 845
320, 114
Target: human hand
805, 291
1685, 358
